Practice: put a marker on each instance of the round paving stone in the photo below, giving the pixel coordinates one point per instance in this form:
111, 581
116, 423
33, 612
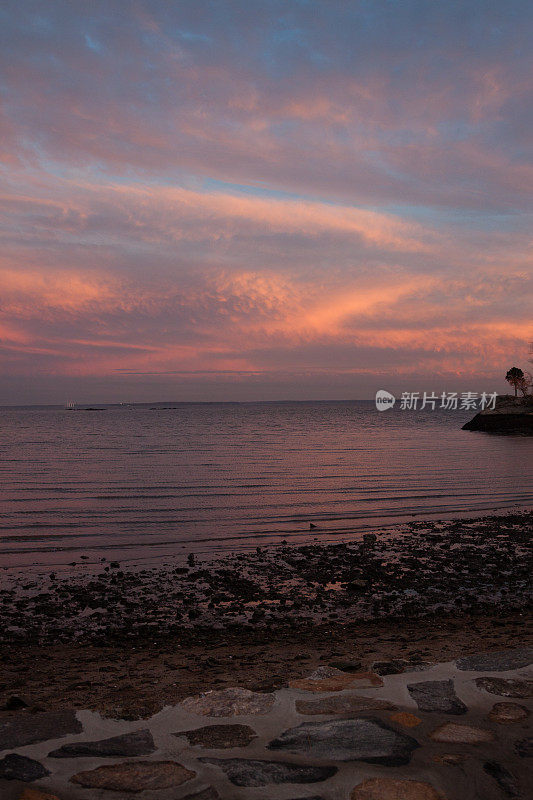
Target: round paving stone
220, 736
21, 768
506, 687
505, 713
497, 662
394, 789
364, 739
460, 734
338, 682
230, 702
450, 759
437, 696
135, 776
405, 719
253, 772
347, 705
36, 794
136, 743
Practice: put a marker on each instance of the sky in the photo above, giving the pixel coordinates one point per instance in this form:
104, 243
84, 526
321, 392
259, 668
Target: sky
286, 199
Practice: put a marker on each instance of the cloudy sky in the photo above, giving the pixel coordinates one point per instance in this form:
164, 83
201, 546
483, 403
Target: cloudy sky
278, 199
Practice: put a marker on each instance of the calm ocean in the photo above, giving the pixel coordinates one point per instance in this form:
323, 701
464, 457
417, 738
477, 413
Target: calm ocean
138, 483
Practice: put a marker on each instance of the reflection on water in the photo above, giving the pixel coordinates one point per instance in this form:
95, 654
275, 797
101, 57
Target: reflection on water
141, 482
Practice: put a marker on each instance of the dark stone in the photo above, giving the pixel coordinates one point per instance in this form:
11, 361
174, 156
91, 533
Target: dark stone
388, 667
437, 696
348, 705
346, 666
506, 687
367, 739
220, 736
137, 743
497, 662
524, 748
503, 778
20, 768
28, 728
247, 772
15, 704
135, 776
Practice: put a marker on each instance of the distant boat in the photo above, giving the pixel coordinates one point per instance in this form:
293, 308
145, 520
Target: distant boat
70, 405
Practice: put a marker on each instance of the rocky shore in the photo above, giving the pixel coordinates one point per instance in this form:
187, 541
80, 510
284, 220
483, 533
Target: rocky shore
426, 568
127, 641
511, 415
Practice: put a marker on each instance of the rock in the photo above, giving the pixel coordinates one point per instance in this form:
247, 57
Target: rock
135, 776
460, 734
21, 768
388, 667
503, 778
506, 687
369, 740
220, 736
394, 789
251, 772
27, 728
497, 662
524, 747
338, 682
399, 665
229, 703
511, 415
348, 705
437, 696
405, 719
451, 759
35, 794
505, 713
137, 743
346, 666
15, 704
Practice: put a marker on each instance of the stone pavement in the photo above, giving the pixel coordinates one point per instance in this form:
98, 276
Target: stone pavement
456, 731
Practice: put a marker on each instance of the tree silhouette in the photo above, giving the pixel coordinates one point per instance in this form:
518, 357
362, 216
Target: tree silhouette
515, 377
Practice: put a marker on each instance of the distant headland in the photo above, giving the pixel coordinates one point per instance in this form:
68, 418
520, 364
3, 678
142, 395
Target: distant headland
511, 415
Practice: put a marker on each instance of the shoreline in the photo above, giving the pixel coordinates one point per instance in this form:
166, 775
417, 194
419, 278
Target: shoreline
126, 644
